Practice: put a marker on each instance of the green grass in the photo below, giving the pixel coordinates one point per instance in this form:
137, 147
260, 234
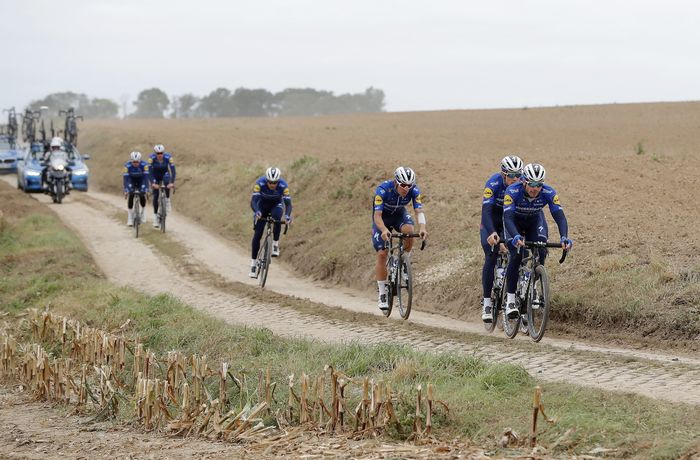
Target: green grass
483, 398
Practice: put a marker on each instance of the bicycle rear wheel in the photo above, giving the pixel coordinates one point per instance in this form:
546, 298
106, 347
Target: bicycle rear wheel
404, 282
538, 304
391, 291
264, 259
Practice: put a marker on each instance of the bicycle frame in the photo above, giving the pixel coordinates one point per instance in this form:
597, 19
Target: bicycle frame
399, 274
264, 258
535, 301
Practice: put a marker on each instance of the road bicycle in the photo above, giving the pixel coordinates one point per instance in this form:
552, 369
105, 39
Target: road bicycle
70, 130
265, 253
532, 292
163, 204
499, 286
400, 275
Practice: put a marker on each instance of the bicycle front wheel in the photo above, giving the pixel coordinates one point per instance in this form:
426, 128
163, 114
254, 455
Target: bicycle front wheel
391, 291
404, 283
264, 260
137, 215
538, 304
162, 210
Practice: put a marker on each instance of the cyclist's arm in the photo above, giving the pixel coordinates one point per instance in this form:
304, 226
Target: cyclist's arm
125, 175
287, 198
509, 215
558, 215
487, 205
255, 198
172, 171
379, 222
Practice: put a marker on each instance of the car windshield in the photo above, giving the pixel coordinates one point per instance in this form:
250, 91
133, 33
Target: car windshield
4, 145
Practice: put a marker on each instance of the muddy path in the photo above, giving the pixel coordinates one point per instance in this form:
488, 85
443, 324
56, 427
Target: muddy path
212, 276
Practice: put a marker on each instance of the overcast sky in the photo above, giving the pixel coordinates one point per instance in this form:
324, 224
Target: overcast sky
425, 55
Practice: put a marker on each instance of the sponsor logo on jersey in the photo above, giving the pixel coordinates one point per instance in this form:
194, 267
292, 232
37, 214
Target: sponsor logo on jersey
256, 188
419, 198
507, 200
378, 200
555, 200
488, 193
286, 192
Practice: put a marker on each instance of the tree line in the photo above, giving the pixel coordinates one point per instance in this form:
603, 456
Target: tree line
243, 102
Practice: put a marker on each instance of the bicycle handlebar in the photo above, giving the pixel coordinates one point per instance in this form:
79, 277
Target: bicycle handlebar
274, 221
547, 244
402, 236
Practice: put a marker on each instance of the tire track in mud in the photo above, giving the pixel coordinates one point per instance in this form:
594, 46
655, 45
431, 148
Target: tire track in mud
115, 251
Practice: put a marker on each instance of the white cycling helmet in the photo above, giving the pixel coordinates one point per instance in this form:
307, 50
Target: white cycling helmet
273, 174
512, 164
135, 156
534, 172
56, 142
159, 148
405, 175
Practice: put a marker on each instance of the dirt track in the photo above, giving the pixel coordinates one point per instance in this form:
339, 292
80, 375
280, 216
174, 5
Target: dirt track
93, 216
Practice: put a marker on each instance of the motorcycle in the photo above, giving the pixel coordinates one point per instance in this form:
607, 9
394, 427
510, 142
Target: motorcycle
58, 177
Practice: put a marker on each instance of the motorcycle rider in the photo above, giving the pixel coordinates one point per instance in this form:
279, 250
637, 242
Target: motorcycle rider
55, 150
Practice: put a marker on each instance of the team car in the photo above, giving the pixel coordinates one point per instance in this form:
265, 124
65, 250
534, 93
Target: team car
8, 155
30, 166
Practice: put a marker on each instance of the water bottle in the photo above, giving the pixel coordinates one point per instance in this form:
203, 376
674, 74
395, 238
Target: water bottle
500, 273
524, 279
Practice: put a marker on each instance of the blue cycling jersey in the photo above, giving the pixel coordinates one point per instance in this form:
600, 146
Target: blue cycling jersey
135, 176
492, 204
160, 168
388, 200
263, 194
518, 207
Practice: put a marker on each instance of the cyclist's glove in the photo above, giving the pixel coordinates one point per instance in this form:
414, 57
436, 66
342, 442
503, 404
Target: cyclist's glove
287, 218
516, 239
566, 241
258, 215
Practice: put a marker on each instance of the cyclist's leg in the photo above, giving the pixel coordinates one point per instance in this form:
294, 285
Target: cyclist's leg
406, 226
166, 181
380, 267
276, 214
259, 228
156, 194
490, 258
540, 232
130, 211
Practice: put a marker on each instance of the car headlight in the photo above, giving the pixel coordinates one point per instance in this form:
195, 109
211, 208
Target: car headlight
33, 173
80, 172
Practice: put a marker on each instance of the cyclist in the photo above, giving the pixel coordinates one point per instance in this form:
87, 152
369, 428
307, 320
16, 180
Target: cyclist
523, 219
135, 174
491, 230
390, 200
162, 168
270, 197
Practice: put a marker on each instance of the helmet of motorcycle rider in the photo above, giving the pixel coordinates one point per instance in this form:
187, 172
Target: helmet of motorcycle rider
56, 142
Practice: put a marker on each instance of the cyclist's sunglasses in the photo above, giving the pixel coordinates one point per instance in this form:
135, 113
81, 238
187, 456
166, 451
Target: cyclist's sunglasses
160, 153
535, 184
272, 182
405, 185
512, 175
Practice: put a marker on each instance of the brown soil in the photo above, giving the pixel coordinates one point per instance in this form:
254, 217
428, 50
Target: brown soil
633, 276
